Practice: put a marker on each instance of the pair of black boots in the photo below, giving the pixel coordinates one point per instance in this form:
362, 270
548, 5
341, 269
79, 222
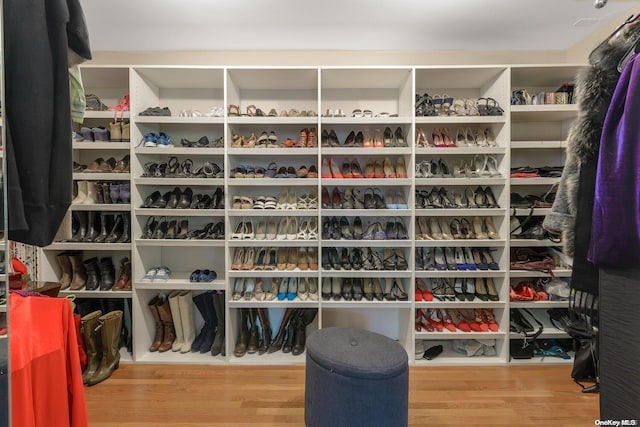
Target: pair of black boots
101, 227
100, 273
291, 336
211, 336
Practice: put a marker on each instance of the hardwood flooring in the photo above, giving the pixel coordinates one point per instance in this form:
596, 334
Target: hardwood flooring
186, 396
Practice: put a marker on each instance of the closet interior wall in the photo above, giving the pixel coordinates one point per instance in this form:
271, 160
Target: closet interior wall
525, 135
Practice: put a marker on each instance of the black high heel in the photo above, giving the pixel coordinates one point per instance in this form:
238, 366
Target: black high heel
172, 167
218, 196
162, 202
149, 228
183, 229
345, 229
185, 199
171, 229
174, 198
358, 289
347, 289
150, 200
345, 260
161, 230
398, 291
204, 202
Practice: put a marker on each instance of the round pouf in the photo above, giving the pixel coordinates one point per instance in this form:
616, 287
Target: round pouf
355, 378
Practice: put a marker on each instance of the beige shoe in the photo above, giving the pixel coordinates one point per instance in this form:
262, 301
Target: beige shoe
174, 304
115, 129
126, 131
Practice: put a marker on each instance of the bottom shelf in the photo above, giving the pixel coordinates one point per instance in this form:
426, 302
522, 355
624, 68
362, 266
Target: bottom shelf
450, 357
178, 358
277, 358
543, 360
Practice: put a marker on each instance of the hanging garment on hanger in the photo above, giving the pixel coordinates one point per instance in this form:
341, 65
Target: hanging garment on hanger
37, 34
615, 233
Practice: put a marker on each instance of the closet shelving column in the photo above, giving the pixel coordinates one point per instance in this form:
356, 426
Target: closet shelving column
463, 83
251, 199
379, 90
180, 89
538, 138
110, 85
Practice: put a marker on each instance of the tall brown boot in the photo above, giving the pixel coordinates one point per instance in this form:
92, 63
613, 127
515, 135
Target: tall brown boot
157, 341
254, 337
111, 328
164, 309
276, 344
243, 335
263, 313
65, 267
93, 343
79, 271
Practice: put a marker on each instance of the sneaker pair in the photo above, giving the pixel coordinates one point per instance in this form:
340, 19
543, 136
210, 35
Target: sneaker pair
156, 111
120, 131
160, 139
203, 276
98, 133
157, 274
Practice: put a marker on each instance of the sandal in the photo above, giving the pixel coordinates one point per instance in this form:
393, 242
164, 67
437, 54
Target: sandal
251, 110
271, 170
273, 113
234, 110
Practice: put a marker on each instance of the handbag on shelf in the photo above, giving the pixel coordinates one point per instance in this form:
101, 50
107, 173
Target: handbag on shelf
523, 348
532, 259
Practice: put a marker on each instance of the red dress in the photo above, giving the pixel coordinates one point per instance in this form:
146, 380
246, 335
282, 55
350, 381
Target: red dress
46, 381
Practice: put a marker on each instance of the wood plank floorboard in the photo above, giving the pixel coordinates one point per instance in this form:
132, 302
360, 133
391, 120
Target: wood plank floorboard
258, 396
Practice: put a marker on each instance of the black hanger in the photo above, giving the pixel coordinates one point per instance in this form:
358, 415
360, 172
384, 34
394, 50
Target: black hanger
615, 32
633, 49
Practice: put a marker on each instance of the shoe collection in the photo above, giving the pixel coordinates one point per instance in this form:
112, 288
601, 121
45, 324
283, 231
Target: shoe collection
92, 273
211, 112
93, 192
440, 228
453, 320
355, 289
282, 259
465, 137
481, 166
157, 274
468, 198
164, 228
156, 111
445, 105
119, 131
287, 200
252, 111
373, 169
272, 171
174, 169
334, 228
356, 113
306, 138
448, 258
526, 290
285, 288
179, 199
290, 338
444, 289
159, 139
100, 227
380, 139
101, 165
363, 259
203, 142
286, 228
351, 198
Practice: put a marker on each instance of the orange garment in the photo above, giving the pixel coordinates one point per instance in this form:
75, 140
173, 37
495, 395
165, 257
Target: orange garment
46, 381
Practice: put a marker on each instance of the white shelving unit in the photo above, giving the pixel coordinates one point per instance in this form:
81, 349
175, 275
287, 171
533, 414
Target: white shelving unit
526, 134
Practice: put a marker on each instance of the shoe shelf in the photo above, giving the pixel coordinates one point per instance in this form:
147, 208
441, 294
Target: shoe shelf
204, 151
175, 285
79, 246
367, 212
532, 242
253, 303
539, 304
391, 243
547, 332
269, 182
367, 304
449, 357
177, 357
178, 120
272, 273
181, 181
538, 144
460, 150
83, 293
269, 152
89, 176
460, 181
105, 114
277, 358
358, 121
438, 120
361, 151
534, 181
103, 207
481, 243
461, 335
536, 211
461, 212
367, 273
308, 121
460, 273
179, 212
271, 212
368, 182
542, 360
524, 273
272, 243
543, 113
477, 303
188, 243
81, 145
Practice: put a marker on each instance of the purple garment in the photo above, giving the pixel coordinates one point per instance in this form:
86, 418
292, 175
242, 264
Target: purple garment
615, 233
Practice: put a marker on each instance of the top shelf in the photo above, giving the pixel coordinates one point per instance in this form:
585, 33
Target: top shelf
551, 76
177, 120
543, 113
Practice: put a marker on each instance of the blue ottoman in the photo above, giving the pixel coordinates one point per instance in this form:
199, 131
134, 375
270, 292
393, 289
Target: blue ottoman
355, 378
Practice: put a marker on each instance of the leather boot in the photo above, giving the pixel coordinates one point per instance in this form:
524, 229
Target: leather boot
276, 344
65, 267
116, 230
198, 301
106, 192
243, 334
79, 277
82, 193
104, 227
263, 313
124, 277
164, 310
92, 197
93, 343
307, 317
157, 341
219, 346
177, 320
82, 348
210, 334
124, 238
291, 331
110, 333
186, 319
81, 220
99, 195
107, 274
92, 229
254, 337
93, 274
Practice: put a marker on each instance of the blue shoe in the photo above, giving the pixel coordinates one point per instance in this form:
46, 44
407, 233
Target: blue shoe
292, 290
282, 289
151, 274
208, 276
164, 140
163, 274
195, 276
150, 139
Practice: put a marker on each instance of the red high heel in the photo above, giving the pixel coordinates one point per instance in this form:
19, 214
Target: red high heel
422, 318
422, 291
432, 316
446, 320
489, 318
458, 319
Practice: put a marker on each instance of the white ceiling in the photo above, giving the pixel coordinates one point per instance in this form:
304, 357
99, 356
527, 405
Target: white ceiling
150, 25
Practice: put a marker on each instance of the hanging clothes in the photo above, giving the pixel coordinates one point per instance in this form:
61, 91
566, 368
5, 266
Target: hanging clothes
46, 381
37, 34
615, 235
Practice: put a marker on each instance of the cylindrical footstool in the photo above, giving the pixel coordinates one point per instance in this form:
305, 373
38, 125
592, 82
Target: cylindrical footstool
355, 378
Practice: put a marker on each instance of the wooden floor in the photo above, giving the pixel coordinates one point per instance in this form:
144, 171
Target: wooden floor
187, 396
